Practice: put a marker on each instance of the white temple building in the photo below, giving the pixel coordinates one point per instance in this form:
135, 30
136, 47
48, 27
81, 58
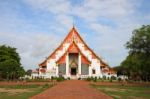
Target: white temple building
74, 59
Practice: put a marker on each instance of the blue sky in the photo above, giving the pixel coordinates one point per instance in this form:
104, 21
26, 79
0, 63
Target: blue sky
36, 27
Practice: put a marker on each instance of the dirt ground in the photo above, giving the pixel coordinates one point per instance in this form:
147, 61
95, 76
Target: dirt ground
121, 83
14, 91
72, 89
25, 83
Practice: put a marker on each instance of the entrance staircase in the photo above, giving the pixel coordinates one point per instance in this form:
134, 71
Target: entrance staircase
73, 77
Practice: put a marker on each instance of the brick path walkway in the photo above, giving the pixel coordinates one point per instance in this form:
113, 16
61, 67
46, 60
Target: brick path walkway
72, 89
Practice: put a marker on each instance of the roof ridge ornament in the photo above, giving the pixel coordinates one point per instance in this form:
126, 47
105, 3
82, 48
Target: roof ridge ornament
73, 24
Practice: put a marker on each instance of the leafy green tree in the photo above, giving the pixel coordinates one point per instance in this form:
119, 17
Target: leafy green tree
140, 41
29, 72
121, 70
10, 66
137, 63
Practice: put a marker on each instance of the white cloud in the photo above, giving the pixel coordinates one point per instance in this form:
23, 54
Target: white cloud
34, 45
92, 10
65, 21
99, 28
32, 49
61, 9
53, 6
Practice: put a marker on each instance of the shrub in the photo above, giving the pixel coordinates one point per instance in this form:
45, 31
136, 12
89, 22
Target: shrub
59, 79
38, 80
99, 77
104, 77
53, 78
92, 79
95, 79
113, 77
110, 80
45, 86
79, 78
88, 79
68, 78
119, 79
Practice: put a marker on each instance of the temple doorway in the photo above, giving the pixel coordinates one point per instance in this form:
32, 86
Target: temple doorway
73, 63
73, 71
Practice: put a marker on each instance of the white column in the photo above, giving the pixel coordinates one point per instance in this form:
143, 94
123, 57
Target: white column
67, 65
39, 71
79, 63
57, 73
90, 70
101, 73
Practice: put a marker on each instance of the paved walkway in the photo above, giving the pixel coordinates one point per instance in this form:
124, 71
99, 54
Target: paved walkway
72, 89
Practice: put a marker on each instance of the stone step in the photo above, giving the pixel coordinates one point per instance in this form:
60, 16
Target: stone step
73, 77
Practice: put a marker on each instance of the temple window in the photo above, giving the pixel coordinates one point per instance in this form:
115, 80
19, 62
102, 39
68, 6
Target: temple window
93, 71
43, 66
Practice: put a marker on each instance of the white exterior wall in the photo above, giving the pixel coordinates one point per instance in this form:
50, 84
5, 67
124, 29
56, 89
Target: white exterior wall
51, 64
34, 75
96, 66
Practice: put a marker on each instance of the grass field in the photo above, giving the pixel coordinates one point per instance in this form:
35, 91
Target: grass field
21, 91
125, 92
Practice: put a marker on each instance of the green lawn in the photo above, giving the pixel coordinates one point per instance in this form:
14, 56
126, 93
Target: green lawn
21, 91
125, 92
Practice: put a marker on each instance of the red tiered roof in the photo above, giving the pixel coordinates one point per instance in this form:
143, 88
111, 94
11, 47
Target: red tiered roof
60, 48
43, 70
74, 36
112, 71
84, 60
62, 59
43, 63
53, 56
73, 48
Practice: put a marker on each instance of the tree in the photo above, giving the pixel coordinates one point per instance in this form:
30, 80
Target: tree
121, 70
10, 66
140, 41
29, 72
138, 60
